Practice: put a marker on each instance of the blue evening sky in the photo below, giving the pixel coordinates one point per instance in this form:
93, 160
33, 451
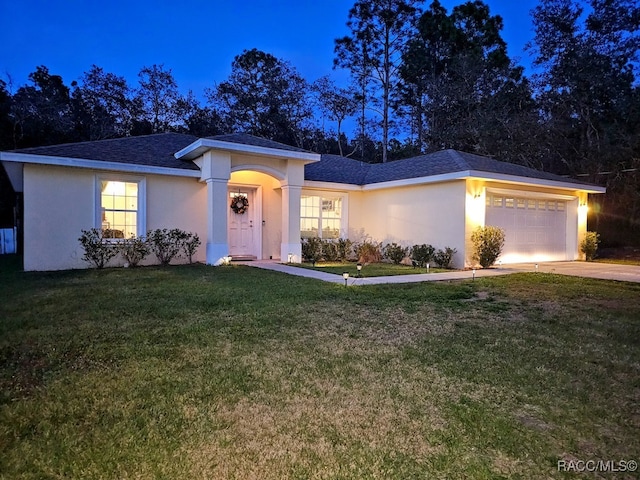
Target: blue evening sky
196, 39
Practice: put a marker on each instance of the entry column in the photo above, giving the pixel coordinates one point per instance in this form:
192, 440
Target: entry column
290, 248
216, 171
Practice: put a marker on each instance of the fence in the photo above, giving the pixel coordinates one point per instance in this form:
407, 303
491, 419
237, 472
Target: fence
8, 240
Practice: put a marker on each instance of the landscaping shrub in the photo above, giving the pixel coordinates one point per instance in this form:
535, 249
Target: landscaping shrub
311, 249
97, 250
345, 249
165, 244
368, 252
190, 243
329, 251
487, 242
395, 252
589, 245
444, 257
134, 250
422, 254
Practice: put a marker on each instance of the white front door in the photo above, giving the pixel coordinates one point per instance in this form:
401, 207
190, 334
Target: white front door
241, 226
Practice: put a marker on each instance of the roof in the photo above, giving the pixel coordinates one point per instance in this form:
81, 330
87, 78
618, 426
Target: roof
159, 150
246, 139
152, 150
333, 168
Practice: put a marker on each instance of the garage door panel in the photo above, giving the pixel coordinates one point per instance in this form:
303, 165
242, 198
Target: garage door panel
535, 229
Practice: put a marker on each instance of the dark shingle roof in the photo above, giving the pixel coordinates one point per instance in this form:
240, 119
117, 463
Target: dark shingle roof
150, 150
158, 151
246, 139
333, 168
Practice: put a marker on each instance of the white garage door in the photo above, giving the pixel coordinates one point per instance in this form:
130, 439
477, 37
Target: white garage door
535, 229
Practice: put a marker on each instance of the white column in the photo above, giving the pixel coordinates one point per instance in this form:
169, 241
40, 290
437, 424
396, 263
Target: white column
217, 246
290, 248
215, 168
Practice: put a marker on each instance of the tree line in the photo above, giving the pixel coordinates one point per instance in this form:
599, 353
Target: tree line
422, 79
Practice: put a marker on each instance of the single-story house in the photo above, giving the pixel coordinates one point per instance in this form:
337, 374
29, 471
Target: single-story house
135, 184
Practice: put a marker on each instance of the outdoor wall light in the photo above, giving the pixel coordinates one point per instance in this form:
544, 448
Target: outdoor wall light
345, 275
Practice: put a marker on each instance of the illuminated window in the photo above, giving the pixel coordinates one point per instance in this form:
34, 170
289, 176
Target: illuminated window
120, 208
497, 201
521, 202
320, 216
560, 206
509, 202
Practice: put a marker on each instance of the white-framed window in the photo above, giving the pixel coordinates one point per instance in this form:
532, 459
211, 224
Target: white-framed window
120, 205
321, 216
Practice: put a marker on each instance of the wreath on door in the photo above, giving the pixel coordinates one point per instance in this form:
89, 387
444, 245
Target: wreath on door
239, 204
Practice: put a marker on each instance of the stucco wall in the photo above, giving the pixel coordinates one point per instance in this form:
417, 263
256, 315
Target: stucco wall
60, 201
410, 215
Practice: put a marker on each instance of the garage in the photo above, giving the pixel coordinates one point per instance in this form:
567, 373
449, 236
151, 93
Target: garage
535, 228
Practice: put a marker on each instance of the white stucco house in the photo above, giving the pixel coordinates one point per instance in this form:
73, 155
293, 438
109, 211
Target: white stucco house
172, 180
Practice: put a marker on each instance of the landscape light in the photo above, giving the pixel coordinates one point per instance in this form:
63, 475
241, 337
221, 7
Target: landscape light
345, 275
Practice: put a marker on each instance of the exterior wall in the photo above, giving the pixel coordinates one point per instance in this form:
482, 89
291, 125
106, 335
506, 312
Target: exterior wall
59, 202
433, 214
271, 208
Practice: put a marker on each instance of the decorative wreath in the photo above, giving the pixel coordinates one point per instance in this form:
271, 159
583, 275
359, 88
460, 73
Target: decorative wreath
239, 204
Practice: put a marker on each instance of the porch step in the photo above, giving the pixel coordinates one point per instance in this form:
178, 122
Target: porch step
243, 258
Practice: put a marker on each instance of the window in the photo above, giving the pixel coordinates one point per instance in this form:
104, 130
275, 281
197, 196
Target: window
120, 208
320, 216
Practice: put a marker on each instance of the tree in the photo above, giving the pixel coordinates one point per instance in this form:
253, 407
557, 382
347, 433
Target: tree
379, 31
102, 105
335, 102
263, 96
158, 98
461, 90
40, 112
587, 89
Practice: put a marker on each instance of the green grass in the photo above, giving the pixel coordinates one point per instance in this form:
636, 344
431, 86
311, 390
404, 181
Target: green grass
370, 270
233, 372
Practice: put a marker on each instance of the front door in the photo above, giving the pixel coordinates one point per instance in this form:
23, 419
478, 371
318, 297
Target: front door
241, 222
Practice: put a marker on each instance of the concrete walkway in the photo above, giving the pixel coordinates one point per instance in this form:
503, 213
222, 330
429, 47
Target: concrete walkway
627, 273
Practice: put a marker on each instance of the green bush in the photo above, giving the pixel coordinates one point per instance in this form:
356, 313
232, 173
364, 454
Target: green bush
368, 252
488, 243
165, 244
589, 245
329, 251
134, 250
189, 245
422, 254
395, 252
312, 249
345, 249
97, 250
444, 257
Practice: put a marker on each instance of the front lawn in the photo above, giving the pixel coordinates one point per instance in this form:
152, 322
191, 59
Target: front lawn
234, 372
368, 270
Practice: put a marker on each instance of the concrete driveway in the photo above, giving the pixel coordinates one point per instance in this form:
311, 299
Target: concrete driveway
604, 271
